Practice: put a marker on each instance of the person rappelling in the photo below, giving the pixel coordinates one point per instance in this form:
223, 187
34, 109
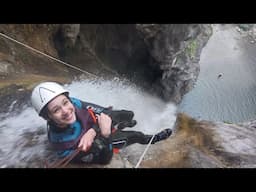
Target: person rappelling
85, 132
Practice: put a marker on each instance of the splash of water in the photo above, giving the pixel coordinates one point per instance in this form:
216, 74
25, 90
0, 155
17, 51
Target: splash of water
23, 137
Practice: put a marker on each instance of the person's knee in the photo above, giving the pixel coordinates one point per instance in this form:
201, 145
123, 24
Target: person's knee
121, 116
127, 115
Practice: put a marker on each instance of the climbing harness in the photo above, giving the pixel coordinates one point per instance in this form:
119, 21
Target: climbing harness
63, 162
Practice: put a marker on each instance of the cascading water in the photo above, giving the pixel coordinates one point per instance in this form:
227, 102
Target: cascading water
23, 136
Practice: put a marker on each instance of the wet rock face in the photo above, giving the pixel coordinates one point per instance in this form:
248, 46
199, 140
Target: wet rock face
13, 98
204, 144
176, 51
165, 56
6, 68
21, 60
69, 34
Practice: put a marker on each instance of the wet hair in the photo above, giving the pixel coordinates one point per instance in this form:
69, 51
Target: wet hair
45, 111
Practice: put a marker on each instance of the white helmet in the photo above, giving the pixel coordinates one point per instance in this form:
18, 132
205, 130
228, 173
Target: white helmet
43, 93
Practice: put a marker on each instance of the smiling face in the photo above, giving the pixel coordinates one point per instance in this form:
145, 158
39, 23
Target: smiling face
61, 111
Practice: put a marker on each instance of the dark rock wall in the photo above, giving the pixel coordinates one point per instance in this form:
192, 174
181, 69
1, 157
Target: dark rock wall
162, 57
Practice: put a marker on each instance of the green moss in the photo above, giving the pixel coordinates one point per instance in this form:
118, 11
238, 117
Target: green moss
191, 49
184, 122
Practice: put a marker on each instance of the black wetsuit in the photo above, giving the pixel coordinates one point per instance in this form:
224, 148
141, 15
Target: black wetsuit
120, 120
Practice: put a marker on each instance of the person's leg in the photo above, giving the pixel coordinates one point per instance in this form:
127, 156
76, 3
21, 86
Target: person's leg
122, 118
162, 135
124, 138
125, 124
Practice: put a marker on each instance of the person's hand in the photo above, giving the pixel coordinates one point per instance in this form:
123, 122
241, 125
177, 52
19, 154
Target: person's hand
104, 122
87, 140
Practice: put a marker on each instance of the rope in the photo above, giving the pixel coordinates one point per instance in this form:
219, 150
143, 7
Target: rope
143, 154
49, 56
63, 162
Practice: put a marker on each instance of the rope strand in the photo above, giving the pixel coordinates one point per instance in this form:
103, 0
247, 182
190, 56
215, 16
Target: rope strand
144, 153
49, 56
64, 161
